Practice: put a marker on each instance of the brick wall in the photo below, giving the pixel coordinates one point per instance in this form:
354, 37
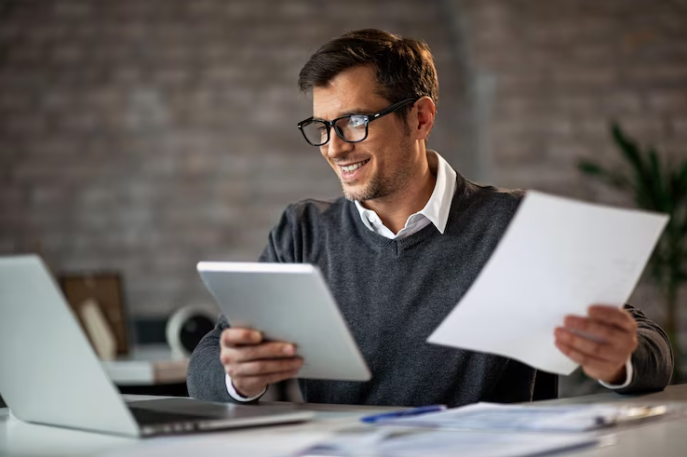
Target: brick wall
564, 68
143, 135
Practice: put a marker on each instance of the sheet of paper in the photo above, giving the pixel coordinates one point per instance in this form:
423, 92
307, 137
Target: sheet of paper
557, 257
223, 445
418, 442
481, 444
555, 418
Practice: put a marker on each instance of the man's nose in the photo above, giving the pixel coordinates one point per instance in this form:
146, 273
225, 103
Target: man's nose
337, 147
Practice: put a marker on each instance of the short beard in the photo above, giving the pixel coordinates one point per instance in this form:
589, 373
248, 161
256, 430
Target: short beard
374, 189
377, 188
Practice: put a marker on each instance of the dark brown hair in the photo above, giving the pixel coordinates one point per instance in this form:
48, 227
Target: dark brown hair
404, 67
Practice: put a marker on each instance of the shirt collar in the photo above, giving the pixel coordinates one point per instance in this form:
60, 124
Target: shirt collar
439, 203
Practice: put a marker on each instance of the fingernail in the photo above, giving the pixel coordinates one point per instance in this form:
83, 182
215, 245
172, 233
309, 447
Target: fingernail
256, 336
288, 349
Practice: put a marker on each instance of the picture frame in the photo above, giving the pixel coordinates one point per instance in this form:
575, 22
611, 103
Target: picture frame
105, 289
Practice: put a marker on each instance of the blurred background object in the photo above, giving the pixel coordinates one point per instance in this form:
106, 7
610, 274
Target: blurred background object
187, 326
140, 136
104, 291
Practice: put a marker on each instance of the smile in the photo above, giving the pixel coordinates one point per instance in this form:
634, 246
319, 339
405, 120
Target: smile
351, 168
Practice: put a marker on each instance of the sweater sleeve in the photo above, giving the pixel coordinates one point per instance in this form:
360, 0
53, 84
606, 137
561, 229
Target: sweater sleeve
652, 361
206, 377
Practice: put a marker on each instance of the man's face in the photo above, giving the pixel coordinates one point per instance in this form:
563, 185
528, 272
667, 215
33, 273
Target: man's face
380, 165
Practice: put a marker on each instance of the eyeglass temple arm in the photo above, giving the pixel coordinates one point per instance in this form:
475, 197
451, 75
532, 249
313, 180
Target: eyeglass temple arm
392, 108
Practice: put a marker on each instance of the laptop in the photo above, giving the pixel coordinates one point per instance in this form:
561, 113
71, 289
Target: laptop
49, 373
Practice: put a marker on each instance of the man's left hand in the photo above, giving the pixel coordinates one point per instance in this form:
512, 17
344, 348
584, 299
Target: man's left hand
601, 343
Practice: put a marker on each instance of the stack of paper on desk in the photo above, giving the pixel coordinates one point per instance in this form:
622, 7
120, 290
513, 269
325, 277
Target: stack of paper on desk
387, 442
560, 418
275, 444
479, 444
557, 257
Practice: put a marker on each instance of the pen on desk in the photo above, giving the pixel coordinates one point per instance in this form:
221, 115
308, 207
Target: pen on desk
404, 413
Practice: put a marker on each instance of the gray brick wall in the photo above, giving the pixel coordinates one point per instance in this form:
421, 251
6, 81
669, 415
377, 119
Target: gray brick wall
145, 135
563, 69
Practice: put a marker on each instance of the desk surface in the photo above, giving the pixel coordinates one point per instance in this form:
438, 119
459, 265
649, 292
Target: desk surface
660, 438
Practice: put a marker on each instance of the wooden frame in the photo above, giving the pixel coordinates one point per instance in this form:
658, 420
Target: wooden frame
105, 289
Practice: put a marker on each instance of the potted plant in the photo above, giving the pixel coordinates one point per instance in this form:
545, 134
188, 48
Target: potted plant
660, 186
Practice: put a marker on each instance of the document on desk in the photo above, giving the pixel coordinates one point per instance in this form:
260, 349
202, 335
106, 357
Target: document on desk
530, 418
480, 444
409, 442
557, 257
259, 444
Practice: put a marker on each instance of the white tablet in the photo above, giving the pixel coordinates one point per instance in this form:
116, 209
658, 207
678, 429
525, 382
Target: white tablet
288, 302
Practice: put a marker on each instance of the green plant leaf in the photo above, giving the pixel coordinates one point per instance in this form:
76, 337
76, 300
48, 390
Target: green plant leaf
590, 168
614, 179
646, 195
679, 184
627, 146
655, 184
679, 196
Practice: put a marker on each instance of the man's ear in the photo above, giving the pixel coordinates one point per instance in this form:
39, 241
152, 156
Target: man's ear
424, 121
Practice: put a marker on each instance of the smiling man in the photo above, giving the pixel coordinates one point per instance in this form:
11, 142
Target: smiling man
400, 249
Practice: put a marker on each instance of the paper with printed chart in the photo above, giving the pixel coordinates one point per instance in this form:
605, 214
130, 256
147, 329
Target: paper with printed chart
557, 257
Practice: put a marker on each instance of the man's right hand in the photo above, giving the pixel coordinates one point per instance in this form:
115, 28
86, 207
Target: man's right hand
253, 364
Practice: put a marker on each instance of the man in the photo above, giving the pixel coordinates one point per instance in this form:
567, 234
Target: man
401, 249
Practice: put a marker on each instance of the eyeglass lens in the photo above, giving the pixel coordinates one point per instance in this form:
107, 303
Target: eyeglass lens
350, 128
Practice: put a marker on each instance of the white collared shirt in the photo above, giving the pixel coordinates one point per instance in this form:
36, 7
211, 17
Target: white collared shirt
436, 212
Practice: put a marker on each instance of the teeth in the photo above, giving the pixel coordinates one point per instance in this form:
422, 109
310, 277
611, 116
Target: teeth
353, 167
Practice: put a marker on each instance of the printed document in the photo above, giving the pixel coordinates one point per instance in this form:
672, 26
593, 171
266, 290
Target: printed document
530, 418
277, 443
413, 442
557, 257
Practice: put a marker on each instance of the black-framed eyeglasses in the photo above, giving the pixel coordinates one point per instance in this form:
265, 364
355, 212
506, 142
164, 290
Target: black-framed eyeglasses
351, 128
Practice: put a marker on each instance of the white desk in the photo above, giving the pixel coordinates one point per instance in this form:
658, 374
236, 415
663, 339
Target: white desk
657, 439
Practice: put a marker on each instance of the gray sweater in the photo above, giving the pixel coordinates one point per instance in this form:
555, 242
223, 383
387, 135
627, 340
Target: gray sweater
394, 293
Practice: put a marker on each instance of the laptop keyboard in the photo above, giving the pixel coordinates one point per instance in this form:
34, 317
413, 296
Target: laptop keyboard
149, 417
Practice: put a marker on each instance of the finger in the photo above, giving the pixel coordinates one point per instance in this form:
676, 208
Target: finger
611, 315
592, 349
257, 383
596, 329
235, 337
264, 367
594, 367
272, 350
